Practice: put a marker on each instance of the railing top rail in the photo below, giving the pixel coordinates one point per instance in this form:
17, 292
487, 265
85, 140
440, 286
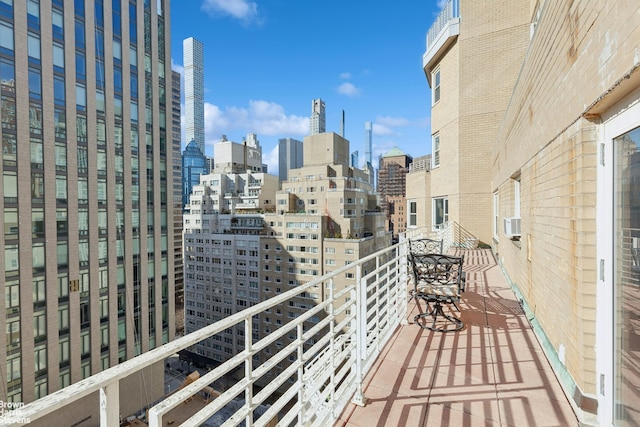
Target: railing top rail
449, 11
73, 392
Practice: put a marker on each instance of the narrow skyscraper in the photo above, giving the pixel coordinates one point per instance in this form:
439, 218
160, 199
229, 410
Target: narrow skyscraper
317, 119
289, 156
193, 58
368, 140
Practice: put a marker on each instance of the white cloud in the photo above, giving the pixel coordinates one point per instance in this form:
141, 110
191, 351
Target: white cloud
177, 67
244, 10
262, 117
346, 75
392, 121
442, 3
271, 160
379, 129
348, 89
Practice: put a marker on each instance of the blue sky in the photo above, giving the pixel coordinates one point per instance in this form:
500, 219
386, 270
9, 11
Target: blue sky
265, 61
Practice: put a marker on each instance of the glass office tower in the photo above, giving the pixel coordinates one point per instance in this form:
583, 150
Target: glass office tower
88, 241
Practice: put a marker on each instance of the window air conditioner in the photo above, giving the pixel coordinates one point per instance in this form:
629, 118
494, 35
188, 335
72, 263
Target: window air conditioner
512, 227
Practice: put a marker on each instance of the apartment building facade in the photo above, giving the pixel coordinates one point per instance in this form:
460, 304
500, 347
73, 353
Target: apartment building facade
471, 65
327, 215
563, 178
88, 239
241, 251
223, 223
393, 167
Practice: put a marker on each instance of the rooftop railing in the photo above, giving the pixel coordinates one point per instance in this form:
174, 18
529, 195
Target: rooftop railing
450, 11
332, 346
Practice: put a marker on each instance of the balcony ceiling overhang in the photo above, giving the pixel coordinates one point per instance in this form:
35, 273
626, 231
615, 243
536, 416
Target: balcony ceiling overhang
448, 35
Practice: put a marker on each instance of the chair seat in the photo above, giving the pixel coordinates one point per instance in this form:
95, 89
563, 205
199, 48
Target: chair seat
449, 290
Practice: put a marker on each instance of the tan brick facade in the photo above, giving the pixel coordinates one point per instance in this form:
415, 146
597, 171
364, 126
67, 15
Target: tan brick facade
583, 57
527, 90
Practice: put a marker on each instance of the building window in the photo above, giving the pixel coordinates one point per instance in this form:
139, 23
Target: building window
6, 37
40, 359
516, 197
412, 209
435, 145
440, 212
496, 217
436, 85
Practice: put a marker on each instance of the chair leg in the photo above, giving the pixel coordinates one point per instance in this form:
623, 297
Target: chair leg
438, 311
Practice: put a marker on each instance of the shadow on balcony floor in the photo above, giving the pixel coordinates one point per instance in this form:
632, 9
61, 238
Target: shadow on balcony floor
491, 373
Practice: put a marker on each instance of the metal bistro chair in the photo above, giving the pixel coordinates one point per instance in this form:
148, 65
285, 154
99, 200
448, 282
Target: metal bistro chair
438, 280
423, 247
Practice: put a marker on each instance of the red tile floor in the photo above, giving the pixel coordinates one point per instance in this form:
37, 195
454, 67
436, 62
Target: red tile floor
491, 373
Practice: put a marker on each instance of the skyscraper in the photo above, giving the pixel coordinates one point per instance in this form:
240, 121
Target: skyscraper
193, 58
87, 242
194, 164
289, 156
176, 174
392, 170
317, 119
368, 140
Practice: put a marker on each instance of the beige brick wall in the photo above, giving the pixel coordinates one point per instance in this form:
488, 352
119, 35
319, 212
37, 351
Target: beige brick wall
477, 75
579, 51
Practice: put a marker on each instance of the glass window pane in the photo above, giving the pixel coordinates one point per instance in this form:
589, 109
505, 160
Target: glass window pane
37, 187
37, 223
58, 55
6, 36
7, 75
35, 119
8, 113
9, 149
33, 46
62, 255
35, 84
37, 156
10, 223
81, 66
10, 187
61, 188
58, 90
11, 257
37, 253
81, 99
57, 23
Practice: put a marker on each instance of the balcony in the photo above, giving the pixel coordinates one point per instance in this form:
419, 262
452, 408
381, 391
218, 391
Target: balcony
441, 36
362, 363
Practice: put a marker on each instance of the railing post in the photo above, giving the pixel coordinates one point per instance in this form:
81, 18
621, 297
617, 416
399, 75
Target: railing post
361, 335
402, 253
248, 369
110, 405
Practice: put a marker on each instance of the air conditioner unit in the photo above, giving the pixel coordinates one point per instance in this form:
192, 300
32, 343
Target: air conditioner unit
512, 227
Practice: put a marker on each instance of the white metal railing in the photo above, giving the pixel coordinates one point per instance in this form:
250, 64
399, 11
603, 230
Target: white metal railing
450, 11
328, 360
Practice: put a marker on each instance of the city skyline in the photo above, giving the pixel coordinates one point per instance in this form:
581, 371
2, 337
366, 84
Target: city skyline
262, 78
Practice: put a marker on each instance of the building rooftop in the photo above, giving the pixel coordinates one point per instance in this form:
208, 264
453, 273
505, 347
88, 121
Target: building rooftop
394, 152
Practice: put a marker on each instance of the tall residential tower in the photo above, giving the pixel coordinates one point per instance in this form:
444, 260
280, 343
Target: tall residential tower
317, 121
193, 58
289, 156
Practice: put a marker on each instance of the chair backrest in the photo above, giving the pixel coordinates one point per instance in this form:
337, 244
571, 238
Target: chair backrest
438, 270
425, 246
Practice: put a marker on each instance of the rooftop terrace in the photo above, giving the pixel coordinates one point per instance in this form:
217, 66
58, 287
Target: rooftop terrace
493, 372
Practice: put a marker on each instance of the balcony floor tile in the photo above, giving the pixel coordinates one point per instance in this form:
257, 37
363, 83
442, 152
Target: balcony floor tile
491, 373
